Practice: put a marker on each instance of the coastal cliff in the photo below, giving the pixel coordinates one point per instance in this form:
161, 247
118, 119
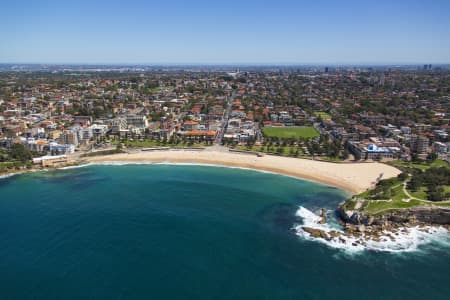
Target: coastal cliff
401, 217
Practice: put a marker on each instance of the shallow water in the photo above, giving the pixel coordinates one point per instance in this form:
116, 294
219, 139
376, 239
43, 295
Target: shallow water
190, 232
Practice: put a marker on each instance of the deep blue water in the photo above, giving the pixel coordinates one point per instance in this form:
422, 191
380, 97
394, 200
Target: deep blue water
188, 232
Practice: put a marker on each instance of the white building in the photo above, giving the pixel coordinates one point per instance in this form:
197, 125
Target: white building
51, 161
440, 148
372, 151
118, 124
405, 129
99, 130
84, 133
137, 121
61, 149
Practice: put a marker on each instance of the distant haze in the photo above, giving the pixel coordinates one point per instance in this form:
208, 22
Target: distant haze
225, 32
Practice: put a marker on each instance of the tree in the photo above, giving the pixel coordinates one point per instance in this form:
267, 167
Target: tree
432, 157
291, 151
402, 176
415, 157
19, 152
357, 155
344, 154
437, 195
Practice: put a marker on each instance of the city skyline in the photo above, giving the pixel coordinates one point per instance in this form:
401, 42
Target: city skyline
199, 32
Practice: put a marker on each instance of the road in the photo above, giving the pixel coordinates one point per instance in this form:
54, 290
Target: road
225, 118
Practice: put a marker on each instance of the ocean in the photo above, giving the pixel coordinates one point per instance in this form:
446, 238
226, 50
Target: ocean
192, 232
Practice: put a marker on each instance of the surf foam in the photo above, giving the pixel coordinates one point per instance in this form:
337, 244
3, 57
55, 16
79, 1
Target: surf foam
403, 240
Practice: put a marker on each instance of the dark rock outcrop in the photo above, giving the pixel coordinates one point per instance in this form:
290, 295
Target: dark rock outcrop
316, 233
425, 215
412, 216
323, 215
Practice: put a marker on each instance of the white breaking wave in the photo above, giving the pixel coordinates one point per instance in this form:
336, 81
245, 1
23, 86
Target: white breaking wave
404, 240
4, 176
10, 175
112, 163
76, 166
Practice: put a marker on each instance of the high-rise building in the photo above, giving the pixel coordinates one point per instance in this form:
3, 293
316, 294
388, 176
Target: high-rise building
419, 144
69, 137
118, 124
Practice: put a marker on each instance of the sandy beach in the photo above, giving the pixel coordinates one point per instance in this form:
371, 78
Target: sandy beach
353, 177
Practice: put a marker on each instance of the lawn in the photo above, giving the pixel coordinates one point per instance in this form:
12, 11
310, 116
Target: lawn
420, 165
396, 197
398, 193
376, 207
373, 207
423, 166
304, 132
421, 193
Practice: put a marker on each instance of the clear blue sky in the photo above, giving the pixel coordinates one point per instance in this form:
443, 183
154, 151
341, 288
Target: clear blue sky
226, 32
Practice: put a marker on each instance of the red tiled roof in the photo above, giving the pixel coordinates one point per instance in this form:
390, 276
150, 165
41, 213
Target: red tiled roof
201, 133
190, 123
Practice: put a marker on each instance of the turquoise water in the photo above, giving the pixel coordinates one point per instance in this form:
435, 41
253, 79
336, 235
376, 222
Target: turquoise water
188, 232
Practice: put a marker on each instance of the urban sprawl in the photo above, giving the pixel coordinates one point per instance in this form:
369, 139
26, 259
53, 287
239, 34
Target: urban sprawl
323, 113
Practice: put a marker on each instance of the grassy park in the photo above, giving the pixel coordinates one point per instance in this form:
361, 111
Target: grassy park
301, 132
421, 184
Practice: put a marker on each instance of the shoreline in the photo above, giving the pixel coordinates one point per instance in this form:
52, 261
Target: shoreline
392, 238
352, 177
388, 237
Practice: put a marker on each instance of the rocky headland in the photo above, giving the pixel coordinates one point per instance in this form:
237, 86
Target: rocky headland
360, 230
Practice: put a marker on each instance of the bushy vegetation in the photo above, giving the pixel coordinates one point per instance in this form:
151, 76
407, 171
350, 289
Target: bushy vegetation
104, 152
16, 157
384, 189
323, 148
436, 181
425, 182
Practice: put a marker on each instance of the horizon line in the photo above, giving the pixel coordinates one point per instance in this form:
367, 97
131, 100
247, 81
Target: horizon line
227, 64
